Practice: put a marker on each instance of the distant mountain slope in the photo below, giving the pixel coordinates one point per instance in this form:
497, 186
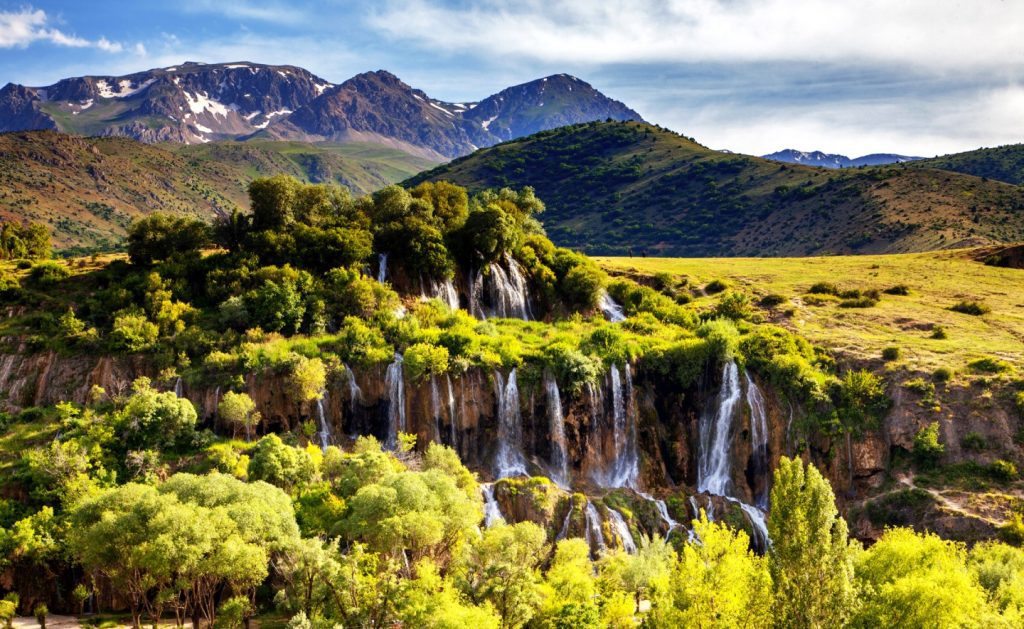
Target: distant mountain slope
632, 187
89, 190
195, 103
1004, 163
832, 160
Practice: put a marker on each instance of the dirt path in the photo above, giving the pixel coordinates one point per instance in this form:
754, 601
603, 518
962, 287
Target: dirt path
52, 622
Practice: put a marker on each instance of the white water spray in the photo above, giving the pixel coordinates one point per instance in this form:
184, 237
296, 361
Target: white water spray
382, 267
610, 308
621, 529
492, 510
509, 460
394, 382
556, 423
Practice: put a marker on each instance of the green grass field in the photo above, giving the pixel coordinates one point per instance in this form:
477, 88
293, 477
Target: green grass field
936, 280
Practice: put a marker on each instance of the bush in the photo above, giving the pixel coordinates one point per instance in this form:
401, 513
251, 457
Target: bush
772, 299
423, 359
1003, 470
732, 305
942, 374
864, 301
715, 286
939, 332
48, 273
975, 308
161, 236
974, 441
899, 289
823, 288
279, 464
133, 333
990, 365
927, 449
890, 353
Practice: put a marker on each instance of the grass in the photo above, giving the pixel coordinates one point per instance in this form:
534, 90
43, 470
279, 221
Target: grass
935, 281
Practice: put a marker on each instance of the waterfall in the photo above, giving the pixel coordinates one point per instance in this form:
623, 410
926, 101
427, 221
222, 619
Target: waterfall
559, 455
355, 394
625, 468
445, 291
325, 428
492, 510
594, 534
435, 406
713, 457
382, 267
612, 311
568, 520
178, 388
451, 413
506, 288
216, 402
509, 460
713, 461
395, 384
618, 524
662, 508
759, 439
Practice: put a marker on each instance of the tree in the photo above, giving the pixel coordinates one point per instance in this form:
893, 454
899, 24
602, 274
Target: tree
272, 200
239, 409
279, 464
719, 581
501, 568
133, 333
810, 557
161, 236
307, 379
570, 589
450, 202
26, 240
917, 580
154, 420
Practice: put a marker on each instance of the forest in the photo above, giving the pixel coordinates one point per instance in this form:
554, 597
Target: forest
276, 445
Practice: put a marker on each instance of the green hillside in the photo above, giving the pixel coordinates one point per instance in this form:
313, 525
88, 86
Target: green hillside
1003, 163
620, 188
88, 190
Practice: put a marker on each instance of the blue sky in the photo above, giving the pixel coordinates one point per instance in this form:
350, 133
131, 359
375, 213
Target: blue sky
919, 77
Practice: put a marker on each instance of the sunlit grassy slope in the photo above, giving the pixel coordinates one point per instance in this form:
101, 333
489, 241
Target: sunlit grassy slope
936, 280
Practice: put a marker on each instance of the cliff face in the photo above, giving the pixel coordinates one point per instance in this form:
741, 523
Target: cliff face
663, 423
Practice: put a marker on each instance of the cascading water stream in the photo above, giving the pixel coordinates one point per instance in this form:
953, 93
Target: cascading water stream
758, 440
610, 308
435, 406
625, 467
178, 387
618, 524
325, 427
506, 288
355, 394
394, 382
568, 520
713, 462
594, 533
509, 460
451, 413
492, 510
382, 267
556, 422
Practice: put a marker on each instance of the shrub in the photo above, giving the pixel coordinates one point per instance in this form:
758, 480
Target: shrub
939, 332
975, 308
973, 441
133, 333
423, 359
772, 299
823, 288
990, 365
819, 299
1003, 470
161, 236
572, 368
732, 305
890, 353
899, 289
942, 374
927, 449
864, 301
715, 286
48, 273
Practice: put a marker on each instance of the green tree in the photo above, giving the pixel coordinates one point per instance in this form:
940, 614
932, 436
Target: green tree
272, 201
133, 333
279, 464
501, 568
810, 557
154, 420
240, 410
161, 236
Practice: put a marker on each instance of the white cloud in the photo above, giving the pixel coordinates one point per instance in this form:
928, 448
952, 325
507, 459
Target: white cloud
937, 34
272, 12
26, 26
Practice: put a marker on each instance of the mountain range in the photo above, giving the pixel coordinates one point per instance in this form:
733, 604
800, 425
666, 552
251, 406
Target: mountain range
832, 160
195, 103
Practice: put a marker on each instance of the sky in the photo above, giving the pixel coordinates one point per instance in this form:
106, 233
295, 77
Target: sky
915, 77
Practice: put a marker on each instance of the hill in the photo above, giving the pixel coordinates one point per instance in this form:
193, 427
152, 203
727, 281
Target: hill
621, 187
88, 190
833, 160
1003, 163
195, 103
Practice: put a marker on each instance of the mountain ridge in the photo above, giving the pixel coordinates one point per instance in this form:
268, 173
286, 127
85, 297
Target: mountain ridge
194, 103
836, 160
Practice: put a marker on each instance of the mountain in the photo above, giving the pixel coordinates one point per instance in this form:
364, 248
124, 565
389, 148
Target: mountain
88, 190
195, 103
831, 160
1004, 163
629, 187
